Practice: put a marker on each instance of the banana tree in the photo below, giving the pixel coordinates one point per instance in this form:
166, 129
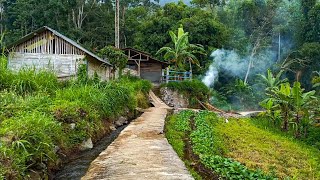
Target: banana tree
271, 111
293, 104
282, 97
271, 80
183, 51
301, 106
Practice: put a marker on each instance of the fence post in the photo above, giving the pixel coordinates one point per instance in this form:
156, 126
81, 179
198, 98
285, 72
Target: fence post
167, 77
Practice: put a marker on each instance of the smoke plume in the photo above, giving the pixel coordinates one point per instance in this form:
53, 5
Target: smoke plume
232, 63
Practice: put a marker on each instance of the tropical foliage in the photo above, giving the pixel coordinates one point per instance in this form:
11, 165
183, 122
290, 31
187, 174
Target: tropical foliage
293, 106
115, 56
183, 51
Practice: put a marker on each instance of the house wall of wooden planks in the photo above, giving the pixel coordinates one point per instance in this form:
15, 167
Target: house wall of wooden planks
50, 52
46, 42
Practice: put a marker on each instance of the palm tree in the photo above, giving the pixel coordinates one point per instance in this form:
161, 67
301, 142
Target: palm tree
183, 51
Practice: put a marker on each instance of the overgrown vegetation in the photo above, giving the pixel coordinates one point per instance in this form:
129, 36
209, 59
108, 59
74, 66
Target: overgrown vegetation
193, 90
240, 150
42, 118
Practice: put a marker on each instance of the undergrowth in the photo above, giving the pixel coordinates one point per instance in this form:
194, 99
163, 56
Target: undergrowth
193, 90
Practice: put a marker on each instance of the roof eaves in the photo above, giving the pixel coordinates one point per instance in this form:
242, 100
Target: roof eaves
147, 54
30, 35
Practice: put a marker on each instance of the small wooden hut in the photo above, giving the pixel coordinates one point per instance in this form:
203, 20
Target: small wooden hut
145, 65
48, 49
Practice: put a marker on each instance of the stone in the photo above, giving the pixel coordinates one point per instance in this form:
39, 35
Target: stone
72, 125
112, 128
56, 149
34, 175
121, 121
173, 98
85, 145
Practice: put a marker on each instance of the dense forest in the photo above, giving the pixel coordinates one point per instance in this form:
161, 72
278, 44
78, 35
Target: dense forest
267, 31
243, 54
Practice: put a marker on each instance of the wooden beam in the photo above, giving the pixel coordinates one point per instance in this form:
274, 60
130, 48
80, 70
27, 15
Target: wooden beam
137, 59
139, 68
139, 54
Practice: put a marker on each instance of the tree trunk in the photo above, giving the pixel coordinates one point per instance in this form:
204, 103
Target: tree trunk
248, 71
286, 121
253, 52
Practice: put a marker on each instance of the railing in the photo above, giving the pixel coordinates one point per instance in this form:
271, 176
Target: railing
170, 75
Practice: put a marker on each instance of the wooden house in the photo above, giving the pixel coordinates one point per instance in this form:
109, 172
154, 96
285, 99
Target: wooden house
48, 49
145, 65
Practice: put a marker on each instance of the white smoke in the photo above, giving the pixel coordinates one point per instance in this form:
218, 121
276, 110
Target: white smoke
232, 63
211, 75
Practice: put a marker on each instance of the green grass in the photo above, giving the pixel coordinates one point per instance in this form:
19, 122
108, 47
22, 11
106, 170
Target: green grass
36, 111
175, 130
258, 148
242, 149
210, 146
312, 137
193, 90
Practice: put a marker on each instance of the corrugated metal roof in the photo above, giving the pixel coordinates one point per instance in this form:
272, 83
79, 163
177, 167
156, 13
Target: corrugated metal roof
44, 28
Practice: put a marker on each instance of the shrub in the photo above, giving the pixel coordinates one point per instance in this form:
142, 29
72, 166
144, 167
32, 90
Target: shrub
28, 141
194, 90
28, 81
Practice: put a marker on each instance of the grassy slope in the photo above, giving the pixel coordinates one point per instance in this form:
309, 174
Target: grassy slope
258, 148
244, 142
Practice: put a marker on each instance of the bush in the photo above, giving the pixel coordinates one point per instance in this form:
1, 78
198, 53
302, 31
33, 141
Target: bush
194, 90
28, 141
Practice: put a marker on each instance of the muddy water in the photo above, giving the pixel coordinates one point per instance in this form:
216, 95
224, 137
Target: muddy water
76, 168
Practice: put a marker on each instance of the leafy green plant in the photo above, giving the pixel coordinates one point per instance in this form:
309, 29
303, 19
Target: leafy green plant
210, 148
193, 90
294, 105
115, 56
272, 81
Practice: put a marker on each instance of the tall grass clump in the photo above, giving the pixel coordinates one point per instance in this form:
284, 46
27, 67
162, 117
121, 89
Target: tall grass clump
41, 117
28, 142
29, 81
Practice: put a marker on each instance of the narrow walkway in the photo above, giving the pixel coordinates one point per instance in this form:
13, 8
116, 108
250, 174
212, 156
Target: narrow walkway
141, 151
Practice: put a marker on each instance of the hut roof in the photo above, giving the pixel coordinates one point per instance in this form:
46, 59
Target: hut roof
45, 28
135, 55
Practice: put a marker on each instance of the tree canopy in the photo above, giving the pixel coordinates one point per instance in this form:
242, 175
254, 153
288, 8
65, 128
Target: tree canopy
248, 27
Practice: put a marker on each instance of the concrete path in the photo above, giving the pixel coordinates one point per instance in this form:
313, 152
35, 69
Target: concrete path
141, 151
